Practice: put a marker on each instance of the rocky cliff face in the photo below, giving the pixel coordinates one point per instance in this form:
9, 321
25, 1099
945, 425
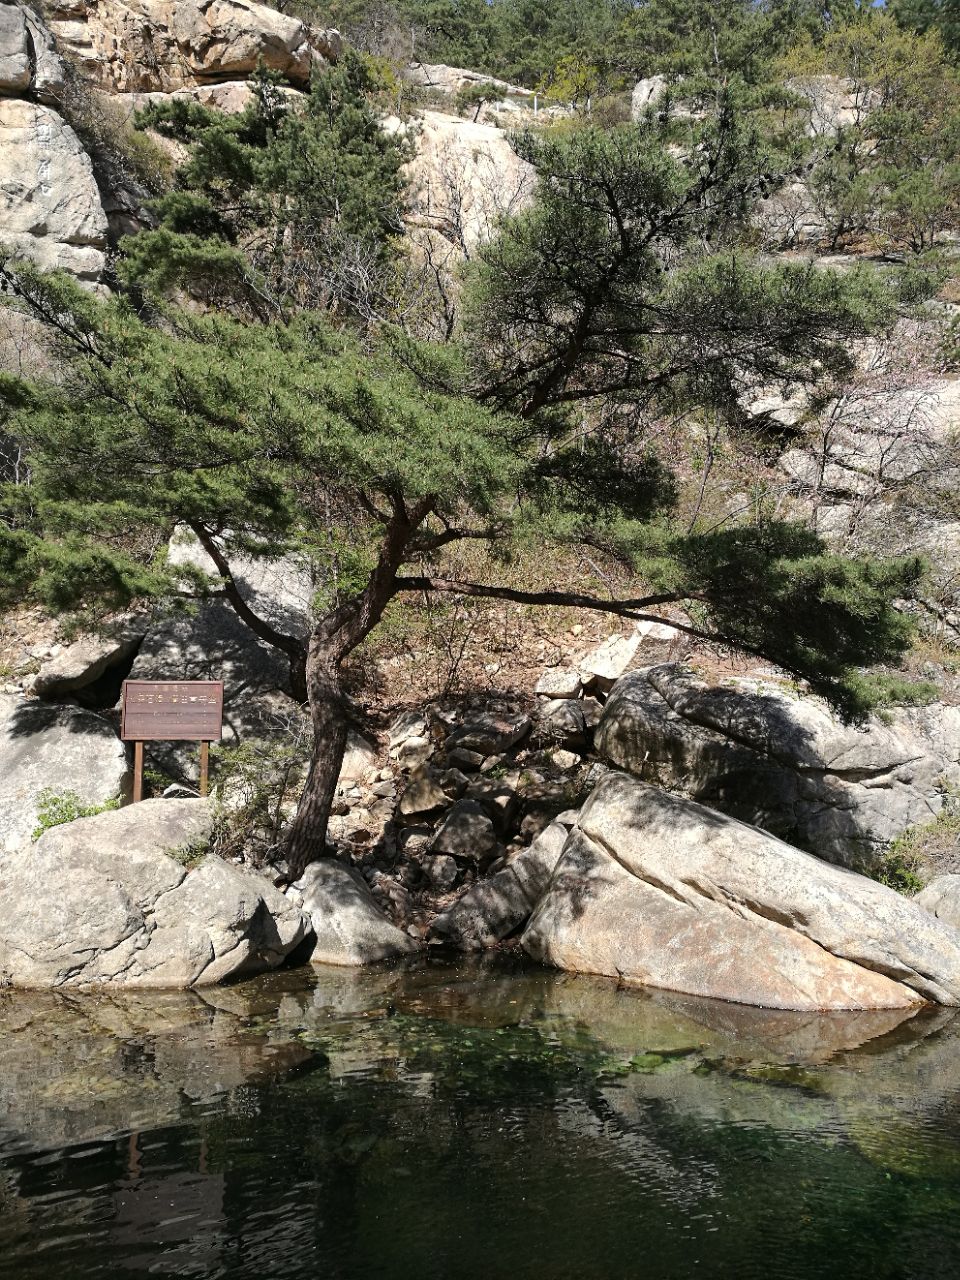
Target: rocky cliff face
55, 207
50, 205
162, 45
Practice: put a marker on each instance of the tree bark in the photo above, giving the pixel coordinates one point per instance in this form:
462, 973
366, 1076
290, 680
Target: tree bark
329, 715
334, 637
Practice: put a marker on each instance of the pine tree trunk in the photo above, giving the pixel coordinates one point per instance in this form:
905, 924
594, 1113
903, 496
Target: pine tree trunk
334, 637
330, 719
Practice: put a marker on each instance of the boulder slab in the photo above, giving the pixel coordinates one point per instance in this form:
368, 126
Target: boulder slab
110, 900
50, 206
783, 762
659, 891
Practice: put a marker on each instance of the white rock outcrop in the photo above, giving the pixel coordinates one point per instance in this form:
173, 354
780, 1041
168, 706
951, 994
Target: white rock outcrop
50, 205
464, 178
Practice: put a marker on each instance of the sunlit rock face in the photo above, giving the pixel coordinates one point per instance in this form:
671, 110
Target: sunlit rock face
159, 45
58, 749
50, 206
659, 891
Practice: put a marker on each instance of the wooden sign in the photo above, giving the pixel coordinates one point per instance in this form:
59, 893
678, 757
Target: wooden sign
171, 711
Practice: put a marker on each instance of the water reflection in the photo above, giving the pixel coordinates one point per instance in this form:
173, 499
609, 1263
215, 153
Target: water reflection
394, 1122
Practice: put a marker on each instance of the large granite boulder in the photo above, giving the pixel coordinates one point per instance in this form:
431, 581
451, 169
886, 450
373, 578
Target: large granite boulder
350, 928
464, 178
111, 900
658, 891
784, 762
14, 50
48, 748
86, 661
165, 45
50, 205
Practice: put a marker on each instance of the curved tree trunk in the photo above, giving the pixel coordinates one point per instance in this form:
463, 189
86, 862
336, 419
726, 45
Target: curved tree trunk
334, 637
329, 715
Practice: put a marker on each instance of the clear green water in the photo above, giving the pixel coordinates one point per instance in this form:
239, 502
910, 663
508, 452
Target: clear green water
472, 1122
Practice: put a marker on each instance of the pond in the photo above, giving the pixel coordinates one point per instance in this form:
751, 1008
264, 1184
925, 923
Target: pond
474, 1120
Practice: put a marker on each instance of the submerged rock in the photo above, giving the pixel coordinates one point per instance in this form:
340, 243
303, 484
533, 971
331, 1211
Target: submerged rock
659, 891
110, 900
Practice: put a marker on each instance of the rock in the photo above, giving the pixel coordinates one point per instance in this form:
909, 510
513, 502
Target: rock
60, 749
498, 797
562, 723
489, 734
407, 725
467, 832
941, 897
102, 901
423, 795
498, 906
782, 762
659, 891
647, 93
464, 178
145, 45
454, 783
15, 73
361, 762
83, 663
592, 712
608, 662
441, 871
450, 80
29, 64
349, 926
558, 683
50, 206
468, 760
832, 103
214, 644
565, 760
413, 841
414, 752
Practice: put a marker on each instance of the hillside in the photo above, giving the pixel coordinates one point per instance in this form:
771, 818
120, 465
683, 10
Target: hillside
493, 396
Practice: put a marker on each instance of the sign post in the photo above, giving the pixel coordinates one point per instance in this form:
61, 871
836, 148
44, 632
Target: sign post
171, 711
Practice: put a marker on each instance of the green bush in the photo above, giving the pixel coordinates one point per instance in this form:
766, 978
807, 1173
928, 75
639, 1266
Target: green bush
923, 851
54, 808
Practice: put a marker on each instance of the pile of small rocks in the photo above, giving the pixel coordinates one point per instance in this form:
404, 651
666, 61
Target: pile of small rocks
465, 791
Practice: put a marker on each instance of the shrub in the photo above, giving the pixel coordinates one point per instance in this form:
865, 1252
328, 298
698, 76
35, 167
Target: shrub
54, 808
932, 848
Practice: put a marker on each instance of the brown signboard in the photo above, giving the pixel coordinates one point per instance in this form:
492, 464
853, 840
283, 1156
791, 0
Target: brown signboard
172, 710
